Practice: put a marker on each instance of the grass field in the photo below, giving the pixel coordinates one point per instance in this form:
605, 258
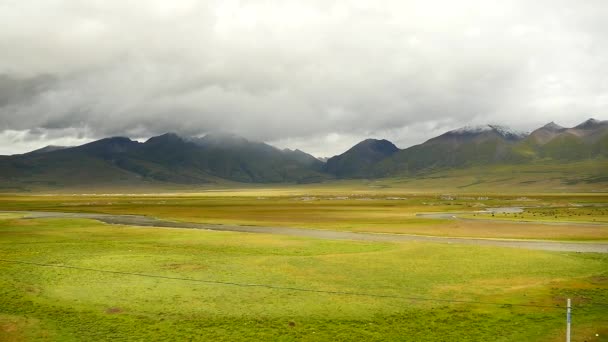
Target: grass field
574, 213
338, 208
384, 282
46, 303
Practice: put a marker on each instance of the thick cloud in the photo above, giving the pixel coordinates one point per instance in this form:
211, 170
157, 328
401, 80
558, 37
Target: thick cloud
316, 75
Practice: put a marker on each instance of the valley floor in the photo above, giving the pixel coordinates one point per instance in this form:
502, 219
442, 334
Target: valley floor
78, 279
143, 221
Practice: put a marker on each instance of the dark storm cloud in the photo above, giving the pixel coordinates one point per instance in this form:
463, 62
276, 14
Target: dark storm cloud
18, 90
317, 75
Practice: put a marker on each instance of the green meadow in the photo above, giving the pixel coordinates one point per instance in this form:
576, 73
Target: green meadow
49, 303
156, 284
596, 214
358, 209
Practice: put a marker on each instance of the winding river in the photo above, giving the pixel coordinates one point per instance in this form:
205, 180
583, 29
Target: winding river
145, 221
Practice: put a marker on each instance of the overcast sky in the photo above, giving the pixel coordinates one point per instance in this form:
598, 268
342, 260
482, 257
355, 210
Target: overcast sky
318, 75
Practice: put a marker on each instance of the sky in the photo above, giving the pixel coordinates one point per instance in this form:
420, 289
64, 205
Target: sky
318, 75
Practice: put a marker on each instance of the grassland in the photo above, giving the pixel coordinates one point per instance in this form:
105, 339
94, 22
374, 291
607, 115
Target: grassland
595, 214
46, 303
52, 303
351, 209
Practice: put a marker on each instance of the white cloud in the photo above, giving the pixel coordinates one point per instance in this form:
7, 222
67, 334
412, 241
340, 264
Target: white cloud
298, 73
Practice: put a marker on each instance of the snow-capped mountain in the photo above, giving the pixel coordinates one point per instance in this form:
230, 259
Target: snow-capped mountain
504, 131
170, 158
488, 145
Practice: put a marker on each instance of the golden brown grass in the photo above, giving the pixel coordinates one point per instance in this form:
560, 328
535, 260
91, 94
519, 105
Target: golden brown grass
501, 230
354, 210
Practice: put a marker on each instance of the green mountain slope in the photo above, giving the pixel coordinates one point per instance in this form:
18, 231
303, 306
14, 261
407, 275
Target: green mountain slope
360, 160
480, 146
239, 159
219, 158
458, 148
163, 159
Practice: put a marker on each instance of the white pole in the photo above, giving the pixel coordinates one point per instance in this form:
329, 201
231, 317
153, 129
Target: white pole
568, 320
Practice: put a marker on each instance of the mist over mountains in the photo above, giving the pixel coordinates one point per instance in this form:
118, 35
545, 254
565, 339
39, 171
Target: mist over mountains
216, 157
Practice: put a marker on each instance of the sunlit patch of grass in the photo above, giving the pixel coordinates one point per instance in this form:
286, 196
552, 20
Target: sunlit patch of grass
348, 209
74, 304
9, 216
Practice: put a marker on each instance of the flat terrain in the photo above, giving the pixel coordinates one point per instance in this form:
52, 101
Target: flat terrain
382, 287
76, 278
143, 221
354, 210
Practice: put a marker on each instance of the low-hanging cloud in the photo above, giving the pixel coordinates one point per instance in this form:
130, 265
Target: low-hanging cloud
300, 73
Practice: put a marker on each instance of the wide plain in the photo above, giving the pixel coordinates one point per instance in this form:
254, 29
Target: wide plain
319, 289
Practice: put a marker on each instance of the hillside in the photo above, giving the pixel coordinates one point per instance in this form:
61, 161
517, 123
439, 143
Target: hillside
171, 160
587, 140
168, 158
359, 161
483, 145
463, 147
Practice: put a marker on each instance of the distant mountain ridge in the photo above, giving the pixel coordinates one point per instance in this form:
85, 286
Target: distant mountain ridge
217, 157
484, 145
49, 148
167, 158
504, 131
359, 160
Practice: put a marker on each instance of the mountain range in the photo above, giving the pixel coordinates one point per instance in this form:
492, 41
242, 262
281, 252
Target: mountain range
480, 145
172, 159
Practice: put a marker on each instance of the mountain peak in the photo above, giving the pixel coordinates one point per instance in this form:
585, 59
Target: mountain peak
504, 131
379, 145
508, 132
111, 141
552, 126
369, 147
590, 124
108, 146
359, 159
471, 129
165, 138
